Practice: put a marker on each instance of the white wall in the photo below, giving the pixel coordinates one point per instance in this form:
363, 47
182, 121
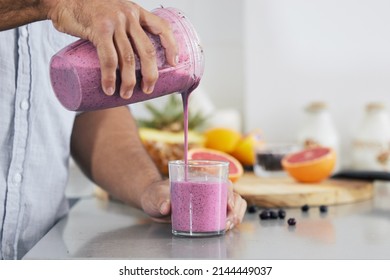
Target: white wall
219, 24
269, 58
337, 51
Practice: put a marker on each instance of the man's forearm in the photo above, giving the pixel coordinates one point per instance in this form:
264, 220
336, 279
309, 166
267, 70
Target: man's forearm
107, 147
15, 13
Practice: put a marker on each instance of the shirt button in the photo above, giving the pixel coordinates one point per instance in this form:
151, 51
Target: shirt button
24, 104
18, 178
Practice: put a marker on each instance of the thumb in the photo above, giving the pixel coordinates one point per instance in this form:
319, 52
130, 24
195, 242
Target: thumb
156, 201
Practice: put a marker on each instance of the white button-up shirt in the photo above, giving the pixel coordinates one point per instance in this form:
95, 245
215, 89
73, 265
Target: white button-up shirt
34, 138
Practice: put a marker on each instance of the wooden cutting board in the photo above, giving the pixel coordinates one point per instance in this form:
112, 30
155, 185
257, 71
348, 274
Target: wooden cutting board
285, 192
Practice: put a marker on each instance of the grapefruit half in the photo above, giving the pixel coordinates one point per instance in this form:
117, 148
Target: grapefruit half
235, 168
310, 165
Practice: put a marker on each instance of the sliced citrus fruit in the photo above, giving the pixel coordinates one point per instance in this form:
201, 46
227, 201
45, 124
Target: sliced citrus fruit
221, 139
310, 165
245, 149
235, 168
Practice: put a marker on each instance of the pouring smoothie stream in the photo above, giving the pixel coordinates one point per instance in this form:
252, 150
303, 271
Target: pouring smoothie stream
198, 191
199, 202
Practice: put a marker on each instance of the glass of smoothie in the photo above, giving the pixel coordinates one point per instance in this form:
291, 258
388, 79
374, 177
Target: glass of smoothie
198, 197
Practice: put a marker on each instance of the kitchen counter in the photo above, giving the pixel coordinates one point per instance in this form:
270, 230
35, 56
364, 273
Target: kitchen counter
96, 228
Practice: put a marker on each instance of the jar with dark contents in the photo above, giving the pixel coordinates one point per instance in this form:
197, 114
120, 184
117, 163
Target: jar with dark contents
268, 158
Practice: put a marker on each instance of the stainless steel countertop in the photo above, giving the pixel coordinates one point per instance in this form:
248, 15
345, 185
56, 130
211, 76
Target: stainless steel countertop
96, 228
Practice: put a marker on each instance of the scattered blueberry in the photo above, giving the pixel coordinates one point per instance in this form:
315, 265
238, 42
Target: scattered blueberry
273, 215
281, 214
323, 208
252, 209
291, 222
264, 215
305, 208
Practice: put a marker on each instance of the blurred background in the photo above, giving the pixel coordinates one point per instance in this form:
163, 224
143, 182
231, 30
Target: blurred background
266, 60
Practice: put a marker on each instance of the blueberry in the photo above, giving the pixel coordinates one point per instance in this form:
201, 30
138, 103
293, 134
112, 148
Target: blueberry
281, 214
265, 215
323, 208
252, 209
305, 208
273, 215
291, 222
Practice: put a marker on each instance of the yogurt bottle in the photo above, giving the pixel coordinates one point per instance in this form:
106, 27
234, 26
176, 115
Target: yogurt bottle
319, 129
371, 141
76, 77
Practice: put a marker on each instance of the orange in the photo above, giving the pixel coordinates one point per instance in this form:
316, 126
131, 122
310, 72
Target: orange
310, 165
235, 168
245, 149
222, 139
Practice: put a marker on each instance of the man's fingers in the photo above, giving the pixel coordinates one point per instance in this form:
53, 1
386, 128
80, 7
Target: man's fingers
236, 210
155, 201
126, 60
230, 196
147, 54
165, 210
241, 210
158, 26
108, 62
118, 46
109, 24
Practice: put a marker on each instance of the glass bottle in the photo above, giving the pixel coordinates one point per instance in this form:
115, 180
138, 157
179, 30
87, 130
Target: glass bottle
76, 77
371, 142
318, 129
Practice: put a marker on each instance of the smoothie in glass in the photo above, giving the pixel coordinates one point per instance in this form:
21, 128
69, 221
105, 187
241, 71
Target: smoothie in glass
198, 197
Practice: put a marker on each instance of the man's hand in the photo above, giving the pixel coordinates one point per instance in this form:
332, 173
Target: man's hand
155, 201
236, 209
109, 24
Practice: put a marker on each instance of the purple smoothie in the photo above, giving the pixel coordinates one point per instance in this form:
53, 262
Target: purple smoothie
76, 77
199, 207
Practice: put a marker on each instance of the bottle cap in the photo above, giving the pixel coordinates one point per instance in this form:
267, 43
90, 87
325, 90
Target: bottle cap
375, 106
316, 106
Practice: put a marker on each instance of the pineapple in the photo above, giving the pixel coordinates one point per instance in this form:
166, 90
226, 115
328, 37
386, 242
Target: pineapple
163, 134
